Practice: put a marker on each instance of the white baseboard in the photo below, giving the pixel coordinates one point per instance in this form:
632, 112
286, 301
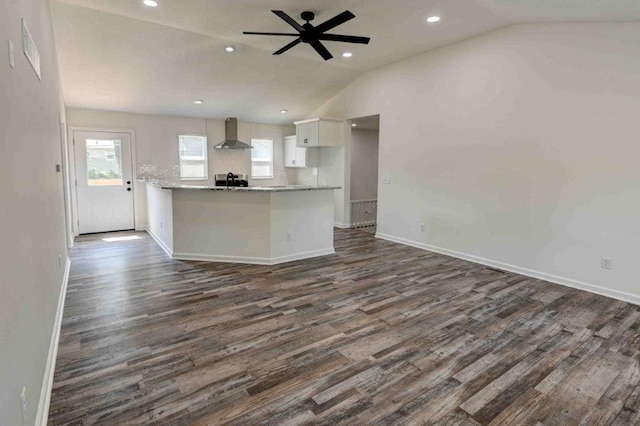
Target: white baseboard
568, 282
45, 393
253, 260
239, 259
300, 256
161, 243
341, 225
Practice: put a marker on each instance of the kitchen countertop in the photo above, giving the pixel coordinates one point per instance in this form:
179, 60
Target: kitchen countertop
283, 188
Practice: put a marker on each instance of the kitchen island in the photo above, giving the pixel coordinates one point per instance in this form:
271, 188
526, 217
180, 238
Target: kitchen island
257, 225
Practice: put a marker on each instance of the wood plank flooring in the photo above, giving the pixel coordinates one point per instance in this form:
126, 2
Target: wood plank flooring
379, 333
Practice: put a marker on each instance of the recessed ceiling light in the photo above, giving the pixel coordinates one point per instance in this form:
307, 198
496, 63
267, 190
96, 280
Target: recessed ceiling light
283, 111
230, 49
198, 102
433, 19
150, 3
353, 124
347, 54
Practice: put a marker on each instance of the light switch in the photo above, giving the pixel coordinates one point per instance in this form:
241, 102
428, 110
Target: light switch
386, 180
12, 55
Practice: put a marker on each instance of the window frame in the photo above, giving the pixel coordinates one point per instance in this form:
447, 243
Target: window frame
206, 156
117, 146
270, 161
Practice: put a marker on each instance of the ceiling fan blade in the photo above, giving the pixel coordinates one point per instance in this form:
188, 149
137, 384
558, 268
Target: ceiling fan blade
335, 21
344, 38
321, 50
287, 47
271, 34
289, 20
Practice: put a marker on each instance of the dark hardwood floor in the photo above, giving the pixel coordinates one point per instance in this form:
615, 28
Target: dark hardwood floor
379, 333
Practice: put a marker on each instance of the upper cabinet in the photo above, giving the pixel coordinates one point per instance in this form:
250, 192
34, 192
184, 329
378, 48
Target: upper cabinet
294, 156
320, 132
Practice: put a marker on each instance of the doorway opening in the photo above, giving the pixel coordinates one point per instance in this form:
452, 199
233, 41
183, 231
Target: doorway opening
103, 164
365, 139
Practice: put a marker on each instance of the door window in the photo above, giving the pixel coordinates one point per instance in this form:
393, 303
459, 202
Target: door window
104, 162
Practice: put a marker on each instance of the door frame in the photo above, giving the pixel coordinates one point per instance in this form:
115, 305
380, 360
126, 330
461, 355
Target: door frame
73, 176
347, 169
68, 214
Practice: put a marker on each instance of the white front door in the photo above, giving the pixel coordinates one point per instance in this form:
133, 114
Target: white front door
104, 180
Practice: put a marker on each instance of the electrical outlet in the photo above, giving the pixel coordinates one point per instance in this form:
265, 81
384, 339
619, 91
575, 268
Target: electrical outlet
288, 236
606, 263
423, 228
23, 400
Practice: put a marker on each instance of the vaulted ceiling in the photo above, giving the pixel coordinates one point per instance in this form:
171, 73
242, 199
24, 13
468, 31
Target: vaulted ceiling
121, 55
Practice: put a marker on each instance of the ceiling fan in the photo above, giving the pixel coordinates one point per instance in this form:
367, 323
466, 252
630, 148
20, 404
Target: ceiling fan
307, 33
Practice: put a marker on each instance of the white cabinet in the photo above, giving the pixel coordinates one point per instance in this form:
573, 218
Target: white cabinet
294, 156
320, 132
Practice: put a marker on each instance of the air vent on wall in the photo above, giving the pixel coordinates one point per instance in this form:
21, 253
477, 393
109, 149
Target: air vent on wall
30, 50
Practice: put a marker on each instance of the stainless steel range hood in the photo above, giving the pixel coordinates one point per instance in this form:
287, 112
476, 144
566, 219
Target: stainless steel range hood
231, 136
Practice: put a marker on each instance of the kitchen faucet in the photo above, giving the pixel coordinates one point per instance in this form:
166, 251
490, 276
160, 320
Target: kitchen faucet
231, 176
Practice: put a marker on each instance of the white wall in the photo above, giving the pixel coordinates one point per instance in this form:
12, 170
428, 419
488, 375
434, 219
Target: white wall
307, 216
160, 215
309, 175
33, 247
364, 164
156, 138
332, 171
273, 227
156, 135
519, 147
224, 161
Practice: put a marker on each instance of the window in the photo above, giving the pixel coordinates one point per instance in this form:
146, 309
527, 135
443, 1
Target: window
193, 157
262, 159
104, 162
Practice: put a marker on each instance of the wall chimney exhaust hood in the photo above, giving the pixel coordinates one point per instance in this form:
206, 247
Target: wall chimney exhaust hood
231, 136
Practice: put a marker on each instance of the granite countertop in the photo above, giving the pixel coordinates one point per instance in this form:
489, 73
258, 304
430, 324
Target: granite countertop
283, 188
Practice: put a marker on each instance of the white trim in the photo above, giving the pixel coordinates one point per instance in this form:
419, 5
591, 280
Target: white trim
311, 120
270, 161
364, 201
161, 243
100, 129
66, 189
568, 282
206, 157
47, 382
253, 260
341, 225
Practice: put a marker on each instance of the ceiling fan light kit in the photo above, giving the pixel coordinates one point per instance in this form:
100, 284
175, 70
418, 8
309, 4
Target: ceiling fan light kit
314, 35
